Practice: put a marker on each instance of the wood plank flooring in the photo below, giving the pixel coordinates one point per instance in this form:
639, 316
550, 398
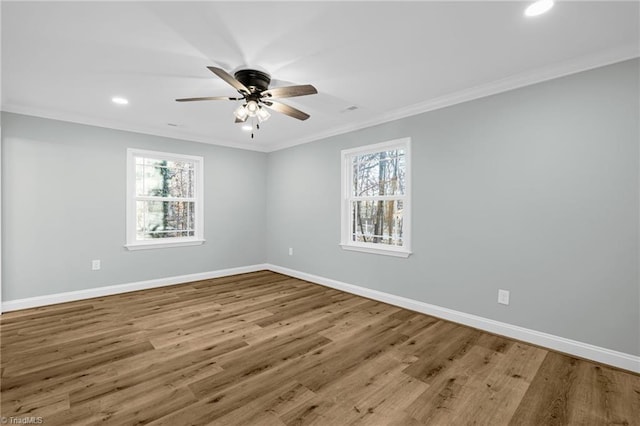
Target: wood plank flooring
267, 349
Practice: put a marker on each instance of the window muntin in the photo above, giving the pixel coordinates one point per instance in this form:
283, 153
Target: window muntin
377, 222
164, 203
375, 213
164, 219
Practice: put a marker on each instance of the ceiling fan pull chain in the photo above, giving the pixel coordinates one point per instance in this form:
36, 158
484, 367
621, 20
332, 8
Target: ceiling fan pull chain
253, 125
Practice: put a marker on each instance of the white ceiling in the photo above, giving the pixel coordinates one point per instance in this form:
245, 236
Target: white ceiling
66, 60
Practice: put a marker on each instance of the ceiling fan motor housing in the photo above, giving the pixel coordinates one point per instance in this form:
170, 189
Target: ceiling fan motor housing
253, 86
254, 80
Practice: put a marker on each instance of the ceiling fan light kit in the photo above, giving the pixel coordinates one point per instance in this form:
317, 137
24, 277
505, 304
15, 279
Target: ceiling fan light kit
252, 107
253, 86
241, 113
263, 114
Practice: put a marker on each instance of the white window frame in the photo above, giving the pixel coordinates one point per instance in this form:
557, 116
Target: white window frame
347, 184
132, 242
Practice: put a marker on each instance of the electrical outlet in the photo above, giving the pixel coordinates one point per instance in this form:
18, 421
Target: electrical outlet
95, 265
290, 251
503, 297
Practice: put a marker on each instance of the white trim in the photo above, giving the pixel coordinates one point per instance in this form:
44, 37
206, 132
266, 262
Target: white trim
346, 184
561, 344
399, 143
170, 132
557, 343
516, 81
148, 245
376, 250
132, 243
71, 296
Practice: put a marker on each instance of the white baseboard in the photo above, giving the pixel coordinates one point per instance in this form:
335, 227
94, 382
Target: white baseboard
33, 302
560, 344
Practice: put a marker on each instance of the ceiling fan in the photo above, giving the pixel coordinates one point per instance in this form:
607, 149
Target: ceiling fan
253, 86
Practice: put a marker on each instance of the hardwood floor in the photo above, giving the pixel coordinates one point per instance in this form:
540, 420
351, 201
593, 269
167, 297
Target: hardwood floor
267, 349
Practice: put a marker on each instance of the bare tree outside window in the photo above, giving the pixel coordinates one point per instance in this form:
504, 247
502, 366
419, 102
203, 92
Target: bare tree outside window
377, 214
164, 207
375, 197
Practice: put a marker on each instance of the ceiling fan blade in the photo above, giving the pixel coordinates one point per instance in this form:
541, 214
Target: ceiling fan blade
287, 110
230, 79
289, 91
208, 98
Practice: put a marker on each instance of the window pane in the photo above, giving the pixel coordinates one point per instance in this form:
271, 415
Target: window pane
378, 222
164, 219
163, 178
380, 173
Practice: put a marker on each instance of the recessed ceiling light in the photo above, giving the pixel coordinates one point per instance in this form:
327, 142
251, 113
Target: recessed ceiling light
538, 8
119, 100
247, 128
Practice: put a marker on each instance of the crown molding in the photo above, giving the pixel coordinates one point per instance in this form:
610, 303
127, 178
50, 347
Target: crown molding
512, 82
557, 70
116, 125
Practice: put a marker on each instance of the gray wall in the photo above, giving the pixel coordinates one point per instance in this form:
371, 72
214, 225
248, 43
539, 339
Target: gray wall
64, 205
533, 190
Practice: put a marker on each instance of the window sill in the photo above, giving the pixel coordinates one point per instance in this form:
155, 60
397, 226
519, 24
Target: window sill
168, 244
376, 250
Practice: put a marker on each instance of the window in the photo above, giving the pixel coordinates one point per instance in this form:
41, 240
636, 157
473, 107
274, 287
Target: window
376, 198
164, 200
